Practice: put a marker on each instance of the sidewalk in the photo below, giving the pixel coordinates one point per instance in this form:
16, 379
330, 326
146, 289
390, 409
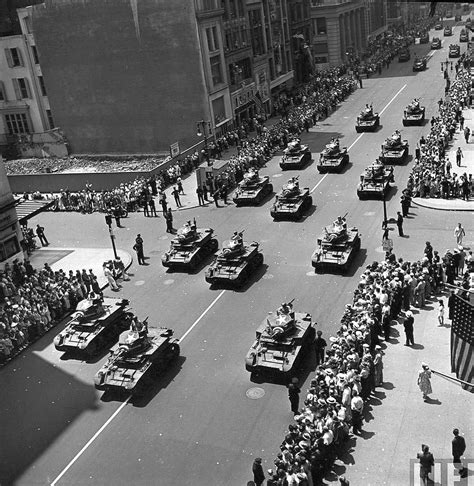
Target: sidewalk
78, 259
467, 167
398, 421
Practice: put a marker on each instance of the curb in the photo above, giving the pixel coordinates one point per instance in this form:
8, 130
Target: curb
416, 202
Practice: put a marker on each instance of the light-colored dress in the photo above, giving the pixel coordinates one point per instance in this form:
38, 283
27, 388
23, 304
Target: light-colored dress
424, 382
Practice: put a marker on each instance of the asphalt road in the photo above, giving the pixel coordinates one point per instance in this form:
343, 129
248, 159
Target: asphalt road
197, 426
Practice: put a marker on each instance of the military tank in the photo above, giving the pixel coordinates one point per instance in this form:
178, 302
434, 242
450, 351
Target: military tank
375, 181
337, 247
139, 357
367, 121
333, 158
282, 340
414, 114
295, 156
253, 189
235, 262
95, 323
394, 150
291, 202
190, 246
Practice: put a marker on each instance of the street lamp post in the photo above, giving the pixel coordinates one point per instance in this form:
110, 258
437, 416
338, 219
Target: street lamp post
108, 220
204, 128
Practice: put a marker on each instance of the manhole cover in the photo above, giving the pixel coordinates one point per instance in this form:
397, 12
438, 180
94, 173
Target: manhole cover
311, 273
255, 393
268, 276
277, 175
139, 282
169, 281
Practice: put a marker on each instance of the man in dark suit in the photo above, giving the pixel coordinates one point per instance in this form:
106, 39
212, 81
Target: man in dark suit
408, 326
458, 448
258, 474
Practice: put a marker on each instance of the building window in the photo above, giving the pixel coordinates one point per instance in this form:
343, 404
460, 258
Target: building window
3, 94
50, 119
218, 108
9, 248
320, 59
14, 57
212, 39
216, 69
29, 28
320, 48
35, 54
17, 123
321, 27
256, 32
22, 88
42, 86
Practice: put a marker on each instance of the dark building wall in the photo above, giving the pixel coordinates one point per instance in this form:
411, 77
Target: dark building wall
120, 86
9, 23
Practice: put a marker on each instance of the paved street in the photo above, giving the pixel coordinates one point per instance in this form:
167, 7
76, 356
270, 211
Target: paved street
198, 427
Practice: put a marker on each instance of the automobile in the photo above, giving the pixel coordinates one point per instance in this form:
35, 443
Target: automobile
419, 64
235, 263
448, 31
189, 247
295, 156
337, 247
253, 189
404, 55
424, 38
436, 43
394, 150
454, 50
463, 36
140, 357
439, 26
282, 340
95, 324
375, 181
291, 202
333, 158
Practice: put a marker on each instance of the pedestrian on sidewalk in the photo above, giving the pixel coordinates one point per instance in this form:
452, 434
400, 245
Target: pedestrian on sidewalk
408, 325
459, 156
400, 223
458, 448
179, 184
424, 381
205, 192
467, 133
138, 247
146, 213
320, 345
257, 470
120, 269
378, 366
223, 193
405, 202
357, 406
294, 395
441, 313
459, 233
175, 193
41, 235
426, 463
215, 196
110, 278
151, 204
117, 215
169, 221
199, 195
461, 122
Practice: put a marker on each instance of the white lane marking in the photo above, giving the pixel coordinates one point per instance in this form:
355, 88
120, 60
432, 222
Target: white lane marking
319, 182
91, 440
398, 92
201, 316
94, 437
355, 141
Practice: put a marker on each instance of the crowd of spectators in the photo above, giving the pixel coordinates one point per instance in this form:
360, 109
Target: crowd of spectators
352, 369
33, 301
433, 174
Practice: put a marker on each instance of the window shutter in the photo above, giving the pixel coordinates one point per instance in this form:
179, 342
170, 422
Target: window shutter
9, 57
20, 56
28, 89
17, 89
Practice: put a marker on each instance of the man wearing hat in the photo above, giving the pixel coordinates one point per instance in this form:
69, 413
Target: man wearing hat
408, 327
258, 474
320, 346
294, 395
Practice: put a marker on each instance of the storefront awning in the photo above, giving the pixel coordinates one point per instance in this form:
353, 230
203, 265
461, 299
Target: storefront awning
27, 209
